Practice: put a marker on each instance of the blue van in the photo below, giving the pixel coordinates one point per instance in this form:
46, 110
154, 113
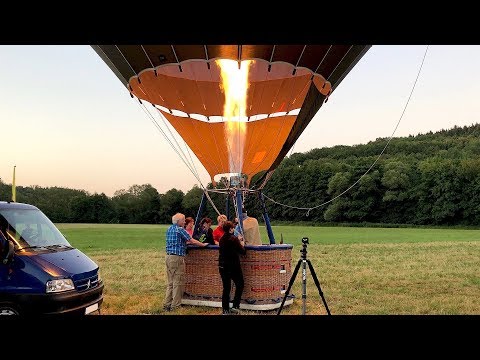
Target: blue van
40, 272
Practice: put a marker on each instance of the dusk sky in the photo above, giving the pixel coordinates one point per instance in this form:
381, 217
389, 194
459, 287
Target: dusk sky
66, 120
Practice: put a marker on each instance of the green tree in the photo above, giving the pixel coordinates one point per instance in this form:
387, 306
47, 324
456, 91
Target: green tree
337, 210
171, 203
191, 201
97, 208
140, 204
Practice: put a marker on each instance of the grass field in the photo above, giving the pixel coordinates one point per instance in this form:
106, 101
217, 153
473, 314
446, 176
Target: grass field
361, 270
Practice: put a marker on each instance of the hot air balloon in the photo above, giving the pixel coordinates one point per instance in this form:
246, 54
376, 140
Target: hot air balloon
240, 108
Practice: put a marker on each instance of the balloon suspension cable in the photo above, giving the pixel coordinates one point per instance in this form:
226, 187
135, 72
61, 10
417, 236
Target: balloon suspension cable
371, 166
232, 191
211, 201
124, 58
179, 151
308, 83
238, 212
182, 156
343, 57
228, 190
191, 165
321, 61
148, 57
192, 168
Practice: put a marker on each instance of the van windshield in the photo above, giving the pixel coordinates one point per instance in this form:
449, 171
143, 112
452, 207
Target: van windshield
30, 228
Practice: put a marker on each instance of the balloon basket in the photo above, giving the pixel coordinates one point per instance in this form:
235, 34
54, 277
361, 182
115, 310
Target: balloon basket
266, 273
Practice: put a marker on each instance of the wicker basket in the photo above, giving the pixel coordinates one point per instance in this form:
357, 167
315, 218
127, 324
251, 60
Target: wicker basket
266, 273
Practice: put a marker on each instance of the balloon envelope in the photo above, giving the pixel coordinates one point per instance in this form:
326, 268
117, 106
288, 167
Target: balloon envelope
287, 84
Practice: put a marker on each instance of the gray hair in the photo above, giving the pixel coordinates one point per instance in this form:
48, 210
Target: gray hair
176, 218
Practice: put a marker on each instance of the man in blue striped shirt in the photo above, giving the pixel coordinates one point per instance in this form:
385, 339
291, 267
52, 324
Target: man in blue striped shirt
176, 248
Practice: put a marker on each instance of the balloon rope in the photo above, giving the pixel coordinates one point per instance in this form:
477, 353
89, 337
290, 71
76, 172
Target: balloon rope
324, 56
300, 57
350, 48
271, 56
124, 58
239, 213
376, 160
321, 62
184, 158
192, 165
148, 57
205, 191
191, 159
181, 157
178, 151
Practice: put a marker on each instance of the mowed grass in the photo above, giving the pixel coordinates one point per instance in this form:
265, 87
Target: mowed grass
361, 270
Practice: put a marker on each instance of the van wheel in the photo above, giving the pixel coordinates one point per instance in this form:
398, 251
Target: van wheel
8, 310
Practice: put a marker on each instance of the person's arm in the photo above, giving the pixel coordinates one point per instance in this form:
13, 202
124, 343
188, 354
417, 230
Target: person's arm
216, 236
237, 232
240, 245
193, 241
190, 240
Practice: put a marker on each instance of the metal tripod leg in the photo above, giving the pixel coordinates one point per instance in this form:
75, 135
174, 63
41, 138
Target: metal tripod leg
315, 279
292, 280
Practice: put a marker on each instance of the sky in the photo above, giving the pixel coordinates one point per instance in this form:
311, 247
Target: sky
66, 120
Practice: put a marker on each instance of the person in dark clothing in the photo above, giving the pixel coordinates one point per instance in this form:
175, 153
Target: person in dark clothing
205, 234
230, 247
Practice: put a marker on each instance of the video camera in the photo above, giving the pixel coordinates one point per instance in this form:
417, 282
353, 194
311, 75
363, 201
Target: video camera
303, 250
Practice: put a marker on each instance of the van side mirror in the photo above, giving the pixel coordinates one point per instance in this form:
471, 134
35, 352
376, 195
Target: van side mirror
9, 253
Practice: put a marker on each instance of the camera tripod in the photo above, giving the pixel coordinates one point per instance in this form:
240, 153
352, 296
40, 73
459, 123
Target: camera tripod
303, 260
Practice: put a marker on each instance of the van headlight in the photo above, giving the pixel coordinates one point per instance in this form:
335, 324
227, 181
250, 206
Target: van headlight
59, 285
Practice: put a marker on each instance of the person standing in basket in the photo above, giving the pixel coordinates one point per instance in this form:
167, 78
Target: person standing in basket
189, 224
218, 232
251, 230
176, 248
230, 247
205, 233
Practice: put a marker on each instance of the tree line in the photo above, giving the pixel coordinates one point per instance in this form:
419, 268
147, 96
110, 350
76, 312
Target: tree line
427, 179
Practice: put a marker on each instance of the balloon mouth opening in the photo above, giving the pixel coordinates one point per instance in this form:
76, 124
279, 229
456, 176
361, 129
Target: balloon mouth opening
224, 119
